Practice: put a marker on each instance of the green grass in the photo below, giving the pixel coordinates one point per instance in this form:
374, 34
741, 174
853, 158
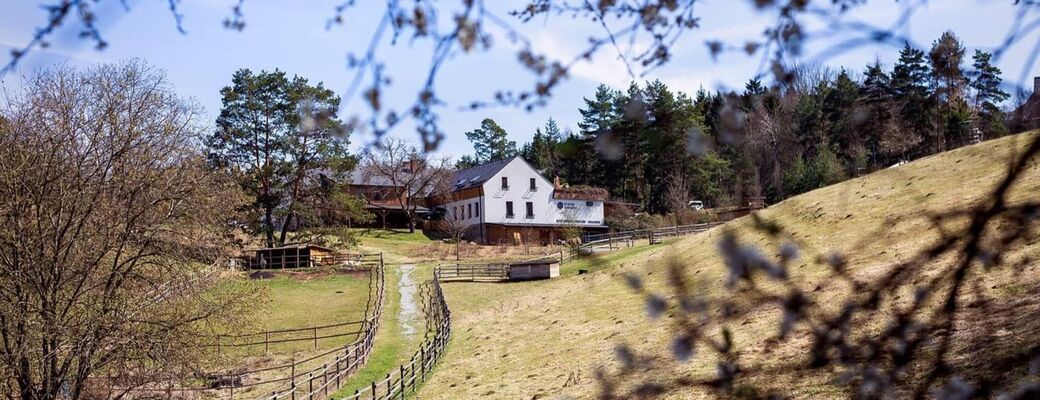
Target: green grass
309, 302
391, 347
546, 339
600, 261
398, 235
301, 300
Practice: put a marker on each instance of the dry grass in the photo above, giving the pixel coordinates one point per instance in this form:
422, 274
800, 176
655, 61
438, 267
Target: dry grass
545, 339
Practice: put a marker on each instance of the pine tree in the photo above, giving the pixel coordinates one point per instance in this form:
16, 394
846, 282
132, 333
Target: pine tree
490, 142
988, 94
580, 151
912, 96
542, 151
945, 58
625, 144
843, 120
876, 100
599, 115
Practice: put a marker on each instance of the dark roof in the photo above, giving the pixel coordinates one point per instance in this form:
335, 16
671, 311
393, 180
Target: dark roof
300, 246
476, 176
360, 177
394, 207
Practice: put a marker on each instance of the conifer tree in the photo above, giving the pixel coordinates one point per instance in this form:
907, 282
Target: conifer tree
490, 142
911, 93
945, 58
988, 94
842, 119
542, 152
876, 101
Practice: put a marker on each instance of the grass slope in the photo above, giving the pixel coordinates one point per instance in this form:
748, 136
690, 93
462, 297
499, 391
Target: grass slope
546, 339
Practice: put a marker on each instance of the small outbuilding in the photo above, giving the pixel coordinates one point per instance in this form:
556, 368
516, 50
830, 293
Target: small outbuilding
534, 270
290, 256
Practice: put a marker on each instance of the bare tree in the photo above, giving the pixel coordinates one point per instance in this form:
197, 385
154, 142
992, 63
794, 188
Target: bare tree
409, 173
109, 214
454, 221
677, 194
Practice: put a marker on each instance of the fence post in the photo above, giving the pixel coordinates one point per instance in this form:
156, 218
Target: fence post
402, 381
325, 378
413, 373
373, 390
310, 386
337, 371
267, 341
292, 375
422, 360
388, 385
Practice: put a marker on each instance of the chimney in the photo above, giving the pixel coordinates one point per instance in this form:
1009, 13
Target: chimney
1036, 85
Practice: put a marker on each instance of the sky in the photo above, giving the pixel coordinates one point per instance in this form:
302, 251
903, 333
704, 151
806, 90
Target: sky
293, 37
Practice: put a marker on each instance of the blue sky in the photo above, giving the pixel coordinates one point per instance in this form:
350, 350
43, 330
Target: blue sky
293, 37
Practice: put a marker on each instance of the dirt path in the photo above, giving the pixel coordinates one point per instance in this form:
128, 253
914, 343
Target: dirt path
409, 309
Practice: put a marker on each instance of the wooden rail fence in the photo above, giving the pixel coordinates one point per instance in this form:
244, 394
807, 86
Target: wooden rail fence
474, 272
299, 381
406, 377
625, 239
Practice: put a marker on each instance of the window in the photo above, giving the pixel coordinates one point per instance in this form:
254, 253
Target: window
530, 210
588, 204
534, 187
509, 208
469, 210
505, 183
455, 212
476, 208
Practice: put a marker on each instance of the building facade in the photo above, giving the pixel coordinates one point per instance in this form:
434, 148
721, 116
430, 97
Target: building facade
508, 201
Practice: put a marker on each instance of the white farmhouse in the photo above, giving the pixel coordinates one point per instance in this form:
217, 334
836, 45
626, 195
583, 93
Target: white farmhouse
508, 201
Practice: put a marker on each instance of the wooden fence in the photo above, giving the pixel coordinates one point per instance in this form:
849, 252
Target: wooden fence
475, 272
298, 378
292, 261
619, 240
340, 362
406, 377
667, 231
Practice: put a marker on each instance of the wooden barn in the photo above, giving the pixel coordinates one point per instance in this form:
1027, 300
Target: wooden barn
290, 256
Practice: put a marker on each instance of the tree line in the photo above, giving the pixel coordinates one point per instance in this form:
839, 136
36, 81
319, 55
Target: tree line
813, 126
649, 145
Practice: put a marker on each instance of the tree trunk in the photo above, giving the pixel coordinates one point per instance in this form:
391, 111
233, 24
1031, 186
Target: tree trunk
285, 228
269, 224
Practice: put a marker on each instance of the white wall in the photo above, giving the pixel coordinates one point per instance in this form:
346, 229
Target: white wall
519, 174
577, 212
547, 211
463, 209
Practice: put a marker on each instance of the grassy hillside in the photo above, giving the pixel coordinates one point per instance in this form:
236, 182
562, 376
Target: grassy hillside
546, 339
